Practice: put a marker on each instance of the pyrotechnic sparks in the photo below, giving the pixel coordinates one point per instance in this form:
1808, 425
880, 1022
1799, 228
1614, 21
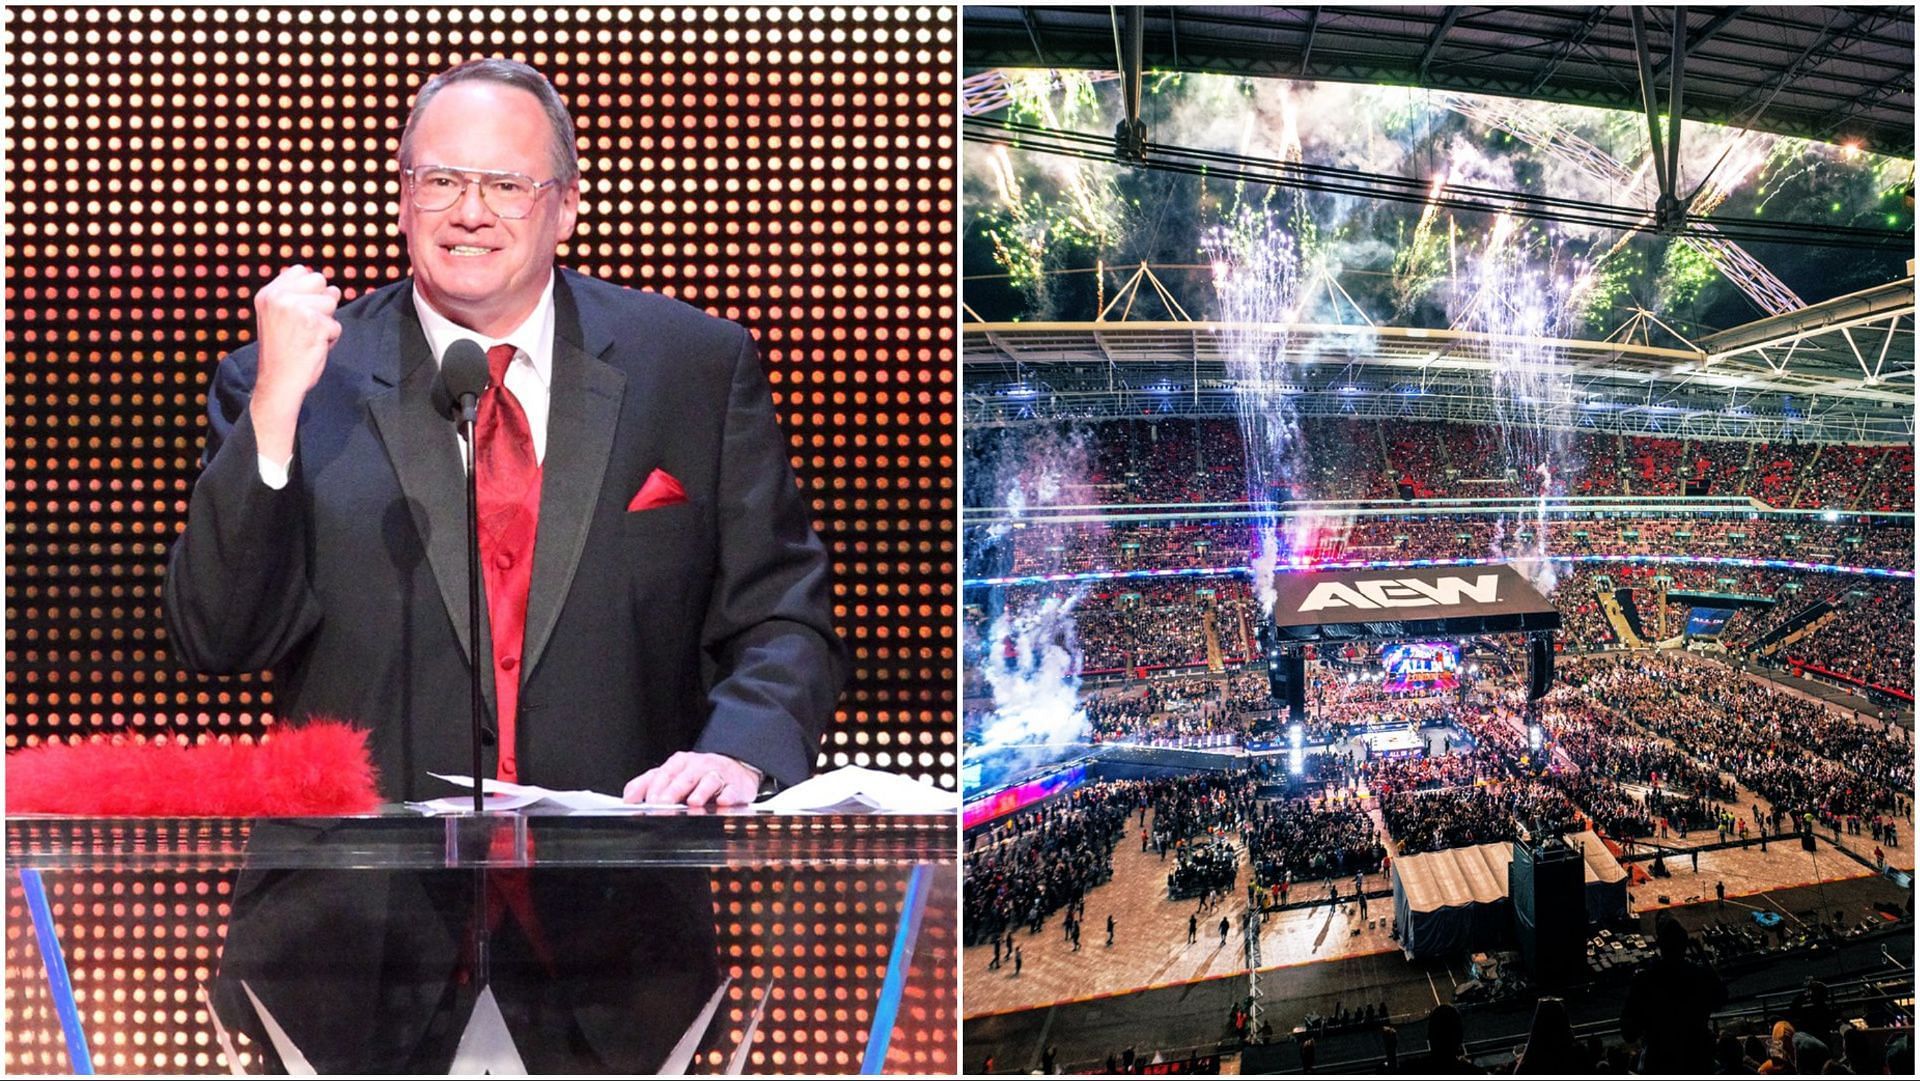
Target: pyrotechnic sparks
1055, 98
1048, 212
1030, 656
1686, 271
1420, 265
1510, 298
1741, 156
1262, 292
1257, 279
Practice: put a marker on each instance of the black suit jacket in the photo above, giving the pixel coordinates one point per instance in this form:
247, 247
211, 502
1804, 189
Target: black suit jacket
703, 626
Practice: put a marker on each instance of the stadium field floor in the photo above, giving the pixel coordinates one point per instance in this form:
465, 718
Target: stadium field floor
1195, 1014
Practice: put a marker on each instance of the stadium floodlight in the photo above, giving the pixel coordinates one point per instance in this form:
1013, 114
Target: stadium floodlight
1297, 735
1296, 762
1534, 735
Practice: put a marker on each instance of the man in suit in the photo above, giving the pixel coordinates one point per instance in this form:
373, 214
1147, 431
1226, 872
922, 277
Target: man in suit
657, 619
668, 634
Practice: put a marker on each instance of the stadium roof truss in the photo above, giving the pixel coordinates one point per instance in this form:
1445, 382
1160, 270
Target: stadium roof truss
1837, 371
1817, 72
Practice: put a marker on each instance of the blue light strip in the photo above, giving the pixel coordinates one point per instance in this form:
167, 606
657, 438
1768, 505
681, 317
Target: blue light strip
898, 961
1395, 564
61, 986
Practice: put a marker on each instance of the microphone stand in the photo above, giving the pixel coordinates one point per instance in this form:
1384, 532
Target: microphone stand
463, 379
469, 411
482, 937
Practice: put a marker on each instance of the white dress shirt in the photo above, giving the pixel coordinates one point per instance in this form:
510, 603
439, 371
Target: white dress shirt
529, 376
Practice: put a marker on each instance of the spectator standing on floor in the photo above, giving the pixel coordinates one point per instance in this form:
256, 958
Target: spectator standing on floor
1193, 928
1109, 928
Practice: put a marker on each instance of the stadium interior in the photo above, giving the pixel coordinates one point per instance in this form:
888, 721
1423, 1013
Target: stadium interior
1263, 297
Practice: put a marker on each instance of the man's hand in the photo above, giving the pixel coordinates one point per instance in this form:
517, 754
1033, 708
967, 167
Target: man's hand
697, 780
295, 316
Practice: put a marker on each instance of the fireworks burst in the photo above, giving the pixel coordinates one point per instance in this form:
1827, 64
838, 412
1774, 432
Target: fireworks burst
1510, 298
1262, 290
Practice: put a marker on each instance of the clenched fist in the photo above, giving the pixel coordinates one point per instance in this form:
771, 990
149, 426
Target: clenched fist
297, 327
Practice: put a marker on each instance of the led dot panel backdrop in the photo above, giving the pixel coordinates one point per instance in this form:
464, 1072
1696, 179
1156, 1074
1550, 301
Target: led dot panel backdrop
788, 168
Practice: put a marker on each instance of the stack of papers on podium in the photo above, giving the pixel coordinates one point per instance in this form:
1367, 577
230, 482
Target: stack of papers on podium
507, 796
856, 789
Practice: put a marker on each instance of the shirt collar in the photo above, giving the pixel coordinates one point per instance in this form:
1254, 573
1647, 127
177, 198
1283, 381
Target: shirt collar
533, 337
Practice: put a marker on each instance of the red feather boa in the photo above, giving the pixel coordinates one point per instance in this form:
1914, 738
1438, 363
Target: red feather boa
319, 769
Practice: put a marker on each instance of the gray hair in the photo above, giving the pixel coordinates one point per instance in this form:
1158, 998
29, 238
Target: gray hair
566, 157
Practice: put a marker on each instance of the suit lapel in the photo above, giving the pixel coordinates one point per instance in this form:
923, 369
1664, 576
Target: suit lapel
426, 460
581, 419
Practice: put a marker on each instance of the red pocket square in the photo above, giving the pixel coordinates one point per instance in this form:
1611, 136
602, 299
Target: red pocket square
660, 490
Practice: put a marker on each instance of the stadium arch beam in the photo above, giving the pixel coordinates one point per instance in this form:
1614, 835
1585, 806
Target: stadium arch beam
1838, 371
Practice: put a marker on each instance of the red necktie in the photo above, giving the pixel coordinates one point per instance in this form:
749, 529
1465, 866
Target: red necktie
508, 479
507, 476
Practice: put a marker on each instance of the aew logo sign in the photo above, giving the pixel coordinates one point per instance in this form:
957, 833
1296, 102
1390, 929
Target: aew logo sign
1402, 593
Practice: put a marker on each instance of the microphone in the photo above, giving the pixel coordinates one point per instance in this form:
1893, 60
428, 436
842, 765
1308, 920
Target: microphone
463, 378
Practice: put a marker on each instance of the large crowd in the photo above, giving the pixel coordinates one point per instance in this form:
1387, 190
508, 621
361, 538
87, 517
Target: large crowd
1792, 752
1167, 711
1871, 639
1457, 817
1298, 839
1022, 870
1449, 769
1081, 547
1635, 745
1182, 460
1164, 624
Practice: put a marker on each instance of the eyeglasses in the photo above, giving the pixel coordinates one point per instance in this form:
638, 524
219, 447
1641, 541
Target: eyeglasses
509, 195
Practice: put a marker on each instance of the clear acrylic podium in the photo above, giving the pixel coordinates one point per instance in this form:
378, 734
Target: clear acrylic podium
708, 943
